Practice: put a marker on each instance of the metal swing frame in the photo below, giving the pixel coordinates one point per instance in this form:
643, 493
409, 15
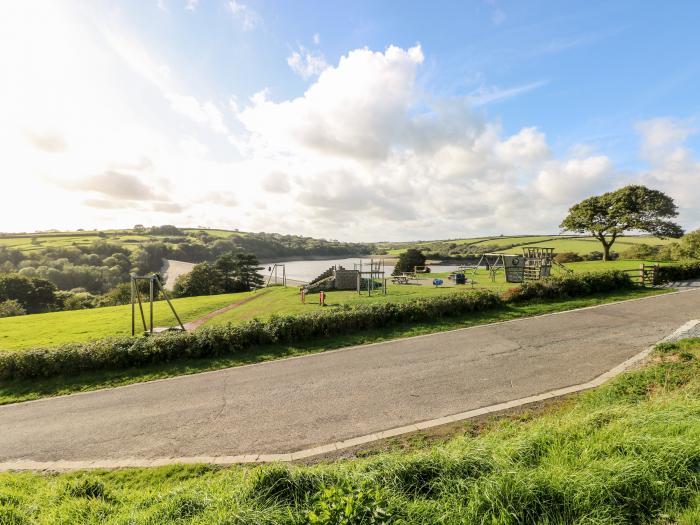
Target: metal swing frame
154, 280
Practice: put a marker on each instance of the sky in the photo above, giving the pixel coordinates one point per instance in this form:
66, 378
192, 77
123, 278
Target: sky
358, 121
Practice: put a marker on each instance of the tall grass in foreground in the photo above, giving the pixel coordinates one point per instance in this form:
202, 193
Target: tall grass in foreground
628, 452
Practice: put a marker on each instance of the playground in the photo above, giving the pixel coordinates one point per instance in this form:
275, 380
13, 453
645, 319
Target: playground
50, 329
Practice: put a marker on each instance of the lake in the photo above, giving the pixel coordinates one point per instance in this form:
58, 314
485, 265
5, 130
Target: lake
307, 270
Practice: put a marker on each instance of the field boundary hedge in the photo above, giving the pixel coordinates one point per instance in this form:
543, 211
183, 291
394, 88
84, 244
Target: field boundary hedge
678, 272
218, 341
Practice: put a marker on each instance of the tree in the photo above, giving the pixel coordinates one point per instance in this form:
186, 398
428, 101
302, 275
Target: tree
10, 308
632, 208
690, 245
149, 256
408, 261
227, 267
34, 295
246, 272
204, 279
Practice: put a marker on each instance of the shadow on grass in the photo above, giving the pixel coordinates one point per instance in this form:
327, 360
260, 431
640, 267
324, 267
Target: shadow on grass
15, 391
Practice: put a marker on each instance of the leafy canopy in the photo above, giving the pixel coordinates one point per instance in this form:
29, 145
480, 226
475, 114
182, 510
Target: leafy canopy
632, 208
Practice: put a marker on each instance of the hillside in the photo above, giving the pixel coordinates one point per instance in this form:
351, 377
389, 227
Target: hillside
264, 245
470, 247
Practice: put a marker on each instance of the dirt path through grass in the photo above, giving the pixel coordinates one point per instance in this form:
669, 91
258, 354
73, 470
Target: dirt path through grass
192, 325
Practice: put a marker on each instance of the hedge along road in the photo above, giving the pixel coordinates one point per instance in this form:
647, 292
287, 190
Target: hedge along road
298, 403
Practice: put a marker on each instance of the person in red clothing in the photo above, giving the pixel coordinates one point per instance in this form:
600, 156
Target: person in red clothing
322, 298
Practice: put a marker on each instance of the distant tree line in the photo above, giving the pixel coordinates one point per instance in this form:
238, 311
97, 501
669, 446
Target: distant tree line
97, 274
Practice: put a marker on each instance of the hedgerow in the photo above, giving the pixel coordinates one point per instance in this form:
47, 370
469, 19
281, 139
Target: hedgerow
571, 285
679, 272
217, 341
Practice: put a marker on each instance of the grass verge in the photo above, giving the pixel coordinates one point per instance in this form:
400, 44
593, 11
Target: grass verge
23, 390
625, 453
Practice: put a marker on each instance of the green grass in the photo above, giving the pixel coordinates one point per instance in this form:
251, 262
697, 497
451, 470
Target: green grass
626, 453
55, 328
288, 301
561, 243
586, 245
14, 391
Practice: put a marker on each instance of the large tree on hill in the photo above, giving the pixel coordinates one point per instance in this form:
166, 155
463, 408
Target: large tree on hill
632, 208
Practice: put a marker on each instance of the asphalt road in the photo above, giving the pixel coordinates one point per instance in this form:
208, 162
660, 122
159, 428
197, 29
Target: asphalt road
288, 405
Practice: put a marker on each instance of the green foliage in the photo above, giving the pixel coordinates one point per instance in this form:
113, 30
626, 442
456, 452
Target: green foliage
282, 484
203, 279
79, 300
567, 257
690, 245
679, 272
124, 352
120, 294
85, 487
610, 215
166, 229
33, 294
641, 251
408, 261
348, 504
10, 308
230, 273
571, 285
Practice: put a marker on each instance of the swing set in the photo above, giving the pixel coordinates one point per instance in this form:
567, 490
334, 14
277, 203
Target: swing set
153, 282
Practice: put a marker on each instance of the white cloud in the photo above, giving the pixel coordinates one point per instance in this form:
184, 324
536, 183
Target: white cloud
276, 182
317, 38
245, 15
365, 153
672, 166
306, 63
205, 113
357, 108
192, 147
191, 5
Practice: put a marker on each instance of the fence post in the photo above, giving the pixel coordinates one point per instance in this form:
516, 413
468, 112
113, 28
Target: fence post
641, 275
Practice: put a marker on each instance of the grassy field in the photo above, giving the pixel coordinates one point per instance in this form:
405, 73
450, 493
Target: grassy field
81, 325
626, 453
288, 301
14, 391
561, 243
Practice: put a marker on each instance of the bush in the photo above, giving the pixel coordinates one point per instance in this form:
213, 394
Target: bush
34, 295
641, 252
679, 272
123, 352
568, 257
10, 308
572, 285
